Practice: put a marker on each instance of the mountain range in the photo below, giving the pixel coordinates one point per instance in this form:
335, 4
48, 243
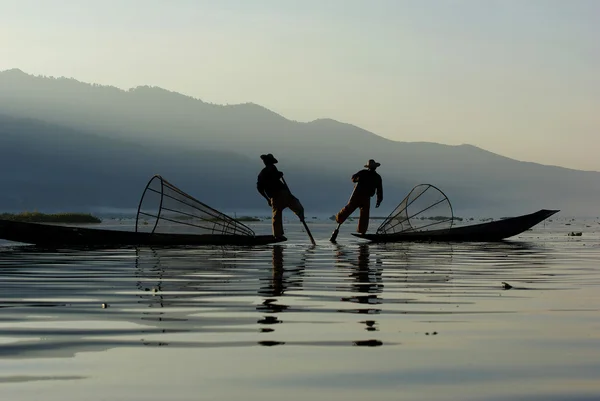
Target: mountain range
69, 145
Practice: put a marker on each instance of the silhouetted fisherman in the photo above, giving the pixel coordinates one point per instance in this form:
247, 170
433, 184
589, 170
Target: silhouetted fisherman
277, 194
368, 183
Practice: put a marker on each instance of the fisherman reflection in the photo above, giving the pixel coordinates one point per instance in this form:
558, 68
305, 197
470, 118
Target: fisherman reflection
275, 287
371, 325
280, 281
366, 280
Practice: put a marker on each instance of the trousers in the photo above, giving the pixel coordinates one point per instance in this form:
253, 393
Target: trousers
279, 202
357, 201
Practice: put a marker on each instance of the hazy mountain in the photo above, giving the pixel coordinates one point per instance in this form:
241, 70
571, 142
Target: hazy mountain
72, 144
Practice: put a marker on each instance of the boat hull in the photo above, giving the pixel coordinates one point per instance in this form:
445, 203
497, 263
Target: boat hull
484, 232
69, 236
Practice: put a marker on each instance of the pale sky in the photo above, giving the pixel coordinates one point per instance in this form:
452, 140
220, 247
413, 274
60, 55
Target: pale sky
516, 77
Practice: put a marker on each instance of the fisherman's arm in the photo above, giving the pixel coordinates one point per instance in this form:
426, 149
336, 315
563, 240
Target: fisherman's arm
379, 192
261, 190
278, 174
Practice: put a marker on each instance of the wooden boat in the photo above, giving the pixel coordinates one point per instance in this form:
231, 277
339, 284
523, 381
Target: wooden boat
426, 214
166, 216
70, 236
484, 232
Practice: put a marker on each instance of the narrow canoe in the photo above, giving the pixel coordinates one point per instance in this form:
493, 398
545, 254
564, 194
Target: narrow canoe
69, 236
484, 232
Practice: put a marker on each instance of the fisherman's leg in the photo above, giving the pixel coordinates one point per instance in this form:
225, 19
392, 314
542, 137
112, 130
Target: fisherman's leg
296, 207
277, 222
346, 211
277, 217
363, 220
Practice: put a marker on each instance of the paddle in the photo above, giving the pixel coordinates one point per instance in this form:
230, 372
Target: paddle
337, 229
335, 233
312, 240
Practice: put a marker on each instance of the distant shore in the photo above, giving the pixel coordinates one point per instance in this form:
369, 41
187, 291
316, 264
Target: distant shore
247, 218
37, 217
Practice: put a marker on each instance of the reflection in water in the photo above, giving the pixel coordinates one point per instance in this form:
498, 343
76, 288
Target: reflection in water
366, 279
176, 280
210, 290
439, 310
274, 288
149, 267
25, 379
370, 325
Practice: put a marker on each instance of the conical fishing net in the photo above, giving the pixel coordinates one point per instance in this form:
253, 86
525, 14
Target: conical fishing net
164, 208
424, 208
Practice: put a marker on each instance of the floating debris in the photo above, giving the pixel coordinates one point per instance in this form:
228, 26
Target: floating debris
104, 306
575, 234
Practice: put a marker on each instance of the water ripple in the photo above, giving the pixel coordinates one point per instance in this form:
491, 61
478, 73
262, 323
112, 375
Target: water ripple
425, 303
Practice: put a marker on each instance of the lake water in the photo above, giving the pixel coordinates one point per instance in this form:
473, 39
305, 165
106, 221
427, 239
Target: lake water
349, 321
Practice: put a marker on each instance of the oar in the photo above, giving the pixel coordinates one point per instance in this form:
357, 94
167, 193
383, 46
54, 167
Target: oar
337, 229
312, 240
335, 233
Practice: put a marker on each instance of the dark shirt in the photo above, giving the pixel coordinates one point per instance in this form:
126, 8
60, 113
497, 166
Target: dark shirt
368, 182
269, 182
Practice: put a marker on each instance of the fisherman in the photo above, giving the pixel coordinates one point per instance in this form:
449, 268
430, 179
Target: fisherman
277, 194
368, 182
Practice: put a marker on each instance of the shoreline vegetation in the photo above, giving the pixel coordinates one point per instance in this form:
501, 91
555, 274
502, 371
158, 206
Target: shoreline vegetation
37, 217
248, 218
241, 218
434, 218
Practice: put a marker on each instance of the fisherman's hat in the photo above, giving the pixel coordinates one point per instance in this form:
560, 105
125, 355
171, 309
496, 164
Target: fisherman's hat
268, 158
372, 164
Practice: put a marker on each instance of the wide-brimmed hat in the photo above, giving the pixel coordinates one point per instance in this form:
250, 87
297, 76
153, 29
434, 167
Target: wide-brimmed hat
268, 158
372, 164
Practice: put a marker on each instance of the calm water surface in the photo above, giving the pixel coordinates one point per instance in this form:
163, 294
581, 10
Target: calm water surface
349, 321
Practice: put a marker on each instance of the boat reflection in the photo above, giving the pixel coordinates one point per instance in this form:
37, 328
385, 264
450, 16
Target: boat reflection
210, 296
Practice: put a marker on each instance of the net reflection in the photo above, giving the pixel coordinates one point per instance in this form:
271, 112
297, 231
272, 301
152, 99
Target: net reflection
150, 272
174, 285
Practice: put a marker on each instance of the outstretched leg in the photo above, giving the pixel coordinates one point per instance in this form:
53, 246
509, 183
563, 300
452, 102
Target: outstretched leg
346, 211
296, 207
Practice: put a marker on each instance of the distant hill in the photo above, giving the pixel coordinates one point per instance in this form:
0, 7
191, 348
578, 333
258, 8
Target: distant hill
52, 167
68, 144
